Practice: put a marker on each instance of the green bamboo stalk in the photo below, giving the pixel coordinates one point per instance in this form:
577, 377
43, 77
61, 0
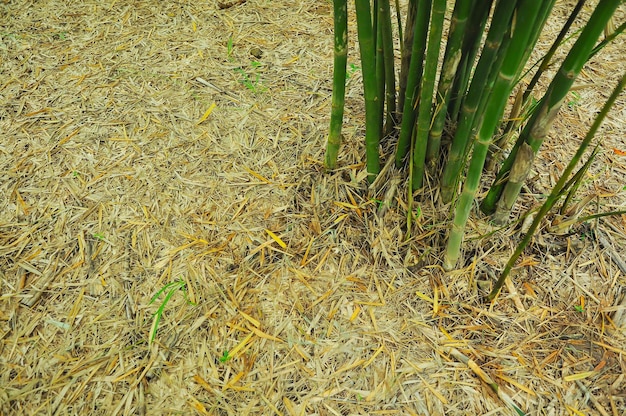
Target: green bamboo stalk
618, 31
510, 69
458, 90
558, 188
426, 91
537, 128
517, 177
384, 20
521, 100
600, 215
516, 116
476, 99
340, 16
471, 43
413, 80
399, 21
514, 121
573, 184
374, 16
439, 116
547, 58
406, 51
380, 63
409, 202
545, 7
451, 61
367, 50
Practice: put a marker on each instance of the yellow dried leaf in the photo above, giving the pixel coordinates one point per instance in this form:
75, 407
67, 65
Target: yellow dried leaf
206, 114
345, 205
203, 383
242, 344
355, 313
276, 238
199, 407
579, 376
424, 297
250, 319
340, 218
262, 334
256, 175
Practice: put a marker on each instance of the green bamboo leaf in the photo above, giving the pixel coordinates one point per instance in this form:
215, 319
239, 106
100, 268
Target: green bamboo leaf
169, 289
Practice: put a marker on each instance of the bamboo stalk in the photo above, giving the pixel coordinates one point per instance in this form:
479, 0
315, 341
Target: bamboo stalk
451, 61
519, 173
573, 185
519, 112
537, 128
426, 92
413, 80
399, 21
547, 58
514, 120
406, 51
511, 67
471, 43
384, 19
476, 99
340, 17
367, 50
608, 38
380, 63
558, 188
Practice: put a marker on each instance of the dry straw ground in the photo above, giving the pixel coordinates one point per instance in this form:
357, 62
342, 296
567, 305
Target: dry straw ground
114, 184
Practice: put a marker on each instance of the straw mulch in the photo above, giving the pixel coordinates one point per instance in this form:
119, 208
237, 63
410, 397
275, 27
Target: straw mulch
140, 147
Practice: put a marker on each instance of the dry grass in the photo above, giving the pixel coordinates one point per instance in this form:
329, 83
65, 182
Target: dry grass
114, 185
